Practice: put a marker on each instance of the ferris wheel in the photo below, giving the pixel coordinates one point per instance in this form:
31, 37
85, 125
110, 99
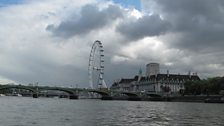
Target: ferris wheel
96, 66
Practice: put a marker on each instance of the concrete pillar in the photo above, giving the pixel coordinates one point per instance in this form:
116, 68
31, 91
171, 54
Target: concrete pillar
105, 97
35, 95
73, 96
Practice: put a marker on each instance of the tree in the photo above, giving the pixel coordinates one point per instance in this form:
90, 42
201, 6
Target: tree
206, 86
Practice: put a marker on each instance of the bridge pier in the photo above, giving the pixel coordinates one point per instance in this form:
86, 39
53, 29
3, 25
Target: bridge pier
106, 98
35, 95
73, 96
134, 98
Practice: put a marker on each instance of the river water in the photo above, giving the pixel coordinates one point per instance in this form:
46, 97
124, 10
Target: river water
25, 111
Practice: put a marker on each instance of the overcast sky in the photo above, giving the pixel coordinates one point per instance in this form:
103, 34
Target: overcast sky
49, 41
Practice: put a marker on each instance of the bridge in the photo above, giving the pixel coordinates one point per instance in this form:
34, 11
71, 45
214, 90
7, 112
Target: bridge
35, 90
73, 93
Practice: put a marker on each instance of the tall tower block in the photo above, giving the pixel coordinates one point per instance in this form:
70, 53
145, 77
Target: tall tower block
152, 69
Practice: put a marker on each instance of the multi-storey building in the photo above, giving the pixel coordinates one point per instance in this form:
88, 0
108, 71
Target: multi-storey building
152, 69
124, 84
155, 82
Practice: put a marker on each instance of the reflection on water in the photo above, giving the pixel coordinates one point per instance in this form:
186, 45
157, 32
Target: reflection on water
20, 111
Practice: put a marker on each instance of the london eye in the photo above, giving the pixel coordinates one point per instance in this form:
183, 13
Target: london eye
96, 66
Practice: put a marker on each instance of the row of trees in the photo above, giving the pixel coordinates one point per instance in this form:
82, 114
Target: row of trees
207, 86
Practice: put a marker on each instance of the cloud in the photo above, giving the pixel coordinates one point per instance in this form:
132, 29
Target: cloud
91, 18
49, 41
196, 31
199, 24
30, 54
146, 26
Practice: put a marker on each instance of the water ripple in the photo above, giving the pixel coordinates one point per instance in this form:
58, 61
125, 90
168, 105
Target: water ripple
64, 112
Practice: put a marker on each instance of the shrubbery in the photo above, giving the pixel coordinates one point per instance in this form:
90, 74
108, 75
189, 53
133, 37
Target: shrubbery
207, 86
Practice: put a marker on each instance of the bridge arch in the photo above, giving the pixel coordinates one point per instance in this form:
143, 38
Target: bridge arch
34, 93
72, 94
102, 93
35, 90
56, 89
153, 95
129, 94
17, 87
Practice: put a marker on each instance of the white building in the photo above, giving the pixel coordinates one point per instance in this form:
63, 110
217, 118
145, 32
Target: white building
170, 83
124, 84
154, 81
152, 69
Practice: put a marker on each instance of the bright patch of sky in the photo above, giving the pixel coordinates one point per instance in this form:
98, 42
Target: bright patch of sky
9, 2
129, 3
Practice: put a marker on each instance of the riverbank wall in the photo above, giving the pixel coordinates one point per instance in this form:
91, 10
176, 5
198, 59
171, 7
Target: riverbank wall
187, 98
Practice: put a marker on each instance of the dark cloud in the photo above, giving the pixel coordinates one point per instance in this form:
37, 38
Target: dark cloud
200, 23
92, 18
115, 71
190, 32
145, 26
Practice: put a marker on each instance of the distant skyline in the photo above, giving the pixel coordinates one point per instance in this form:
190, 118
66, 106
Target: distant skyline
49, 41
